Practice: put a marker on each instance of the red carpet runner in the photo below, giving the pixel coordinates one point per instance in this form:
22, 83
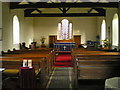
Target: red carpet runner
63, 60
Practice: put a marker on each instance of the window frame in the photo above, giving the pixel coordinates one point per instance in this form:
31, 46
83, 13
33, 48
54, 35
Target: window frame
67, 32
16, 30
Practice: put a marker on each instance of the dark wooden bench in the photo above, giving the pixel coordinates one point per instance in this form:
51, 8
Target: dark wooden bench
43, 57
95, 65
48, 54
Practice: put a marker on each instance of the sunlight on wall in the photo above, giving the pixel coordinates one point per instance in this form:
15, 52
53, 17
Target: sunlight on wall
59, 31
30, 41
16, 30
115, 30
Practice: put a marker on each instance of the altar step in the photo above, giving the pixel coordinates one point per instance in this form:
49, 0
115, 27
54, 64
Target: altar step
66, 64
62, 52
63, 60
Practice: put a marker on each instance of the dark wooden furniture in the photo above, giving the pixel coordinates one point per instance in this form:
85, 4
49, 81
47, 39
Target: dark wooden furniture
77, 40
42, 62
27, 77
52, 40
95, 66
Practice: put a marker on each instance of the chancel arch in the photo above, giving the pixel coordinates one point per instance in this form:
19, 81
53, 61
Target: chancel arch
115, 32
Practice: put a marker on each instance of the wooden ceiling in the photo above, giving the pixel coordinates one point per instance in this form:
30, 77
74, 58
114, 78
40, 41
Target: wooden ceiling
63, 8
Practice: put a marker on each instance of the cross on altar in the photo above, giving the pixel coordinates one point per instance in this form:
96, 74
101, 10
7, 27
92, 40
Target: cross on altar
64, 47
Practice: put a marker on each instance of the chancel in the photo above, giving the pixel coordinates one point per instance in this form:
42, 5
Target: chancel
66, 44
65, 40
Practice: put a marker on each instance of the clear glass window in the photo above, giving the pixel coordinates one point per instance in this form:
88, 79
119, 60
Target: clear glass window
16, 30
103, 32
115, 32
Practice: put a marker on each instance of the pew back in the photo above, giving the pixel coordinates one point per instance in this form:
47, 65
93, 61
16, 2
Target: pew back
96, 64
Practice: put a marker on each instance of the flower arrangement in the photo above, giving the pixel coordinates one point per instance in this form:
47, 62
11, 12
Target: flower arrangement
42, 39
106, 42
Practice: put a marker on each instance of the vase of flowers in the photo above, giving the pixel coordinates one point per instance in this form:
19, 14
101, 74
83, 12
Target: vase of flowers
42, 39
106, 44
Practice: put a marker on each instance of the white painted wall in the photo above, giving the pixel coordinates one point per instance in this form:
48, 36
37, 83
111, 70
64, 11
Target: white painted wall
87, 27
0, 41
0, 14
26, 27
112, 83
108, 19
0, 25
84, 26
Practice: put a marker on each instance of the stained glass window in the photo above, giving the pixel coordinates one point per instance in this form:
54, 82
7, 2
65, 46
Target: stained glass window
64, 30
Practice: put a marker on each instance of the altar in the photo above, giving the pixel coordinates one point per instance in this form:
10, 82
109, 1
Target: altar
64, 46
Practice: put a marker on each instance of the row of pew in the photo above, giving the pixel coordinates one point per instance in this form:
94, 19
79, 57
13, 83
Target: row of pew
95, 65
42, 61
87, 64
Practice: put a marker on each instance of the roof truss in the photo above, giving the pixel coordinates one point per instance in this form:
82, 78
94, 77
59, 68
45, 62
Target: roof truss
63, 7
28, 13
16, 5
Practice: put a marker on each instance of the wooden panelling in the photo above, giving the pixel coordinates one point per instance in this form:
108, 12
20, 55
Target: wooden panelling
77, 40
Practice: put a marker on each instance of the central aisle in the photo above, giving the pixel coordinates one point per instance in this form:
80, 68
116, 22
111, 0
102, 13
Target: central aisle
61, 78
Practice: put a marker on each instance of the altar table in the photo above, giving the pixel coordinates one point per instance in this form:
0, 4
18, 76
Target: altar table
64, 46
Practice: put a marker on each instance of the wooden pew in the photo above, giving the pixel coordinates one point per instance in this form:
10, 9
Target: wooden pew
37, 50
98, 68
12, 65
47, 53
95, 65
35, 55
12, 68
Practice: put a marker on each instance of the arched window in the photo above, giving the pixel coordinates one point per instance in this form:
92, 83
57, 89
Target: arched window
64, 30
103, 31
115, 30
16, 30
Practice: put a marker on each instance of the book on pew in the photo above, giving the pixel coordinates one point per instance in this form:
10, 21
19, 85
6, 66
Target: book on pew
30, 63
25, 63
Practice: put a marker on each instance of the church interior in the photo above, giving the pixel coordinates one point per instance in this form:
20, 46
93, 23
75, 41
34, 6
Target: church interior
67, 44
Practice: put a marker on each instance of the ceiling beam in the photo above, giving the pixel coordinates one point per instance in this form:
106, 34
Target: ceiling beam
64, 10
100, 10
65, 15
29, 13
16, 5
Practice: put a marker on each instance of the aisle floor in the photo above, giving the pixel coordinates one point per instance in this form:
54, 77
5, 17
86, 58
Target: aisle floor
61, 78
